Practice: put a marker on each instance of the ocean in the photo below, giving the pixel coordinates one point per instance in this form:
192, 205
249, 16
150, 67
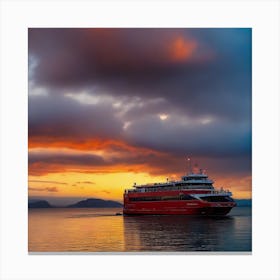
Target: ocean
101, 230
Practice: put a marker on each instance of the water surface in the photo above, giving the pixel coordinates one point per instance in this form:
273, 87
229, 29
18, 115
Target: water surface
100, 230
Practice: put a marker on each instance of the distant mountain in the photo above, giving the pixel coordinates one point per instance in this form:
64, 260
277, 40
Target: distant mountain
95, 203
39, 204
243, 202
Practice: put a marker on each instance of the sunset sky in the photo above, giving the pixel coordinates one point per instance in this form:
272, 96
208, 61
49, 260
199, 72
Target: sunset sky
110, 107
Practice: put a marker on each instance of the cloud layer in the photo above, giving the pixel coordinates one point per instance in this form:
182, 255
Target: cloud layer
134, 99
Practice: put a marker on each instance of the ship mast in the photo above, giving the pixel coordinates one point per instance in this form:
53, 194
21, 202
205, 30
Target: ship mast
190, 165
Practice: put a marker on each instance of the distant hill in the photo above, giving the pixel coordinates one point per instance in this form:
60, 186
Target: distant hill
243, 202
100, 203
39, 204
95, 203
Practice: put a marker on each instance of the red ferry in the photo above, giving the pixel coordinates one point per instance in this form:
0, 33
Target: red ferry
194, 194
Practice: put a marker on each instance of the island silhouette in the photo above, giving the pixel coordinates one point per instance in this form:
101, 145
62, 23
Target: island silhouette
87, 203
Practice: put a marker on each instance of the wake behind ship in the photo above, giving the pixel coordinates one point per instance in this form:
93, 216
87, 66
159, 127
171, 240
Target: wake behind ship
194, 194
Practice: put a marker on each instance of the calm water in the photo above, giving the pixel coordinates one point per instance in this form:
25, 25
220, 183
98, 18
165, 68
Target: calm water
100, 230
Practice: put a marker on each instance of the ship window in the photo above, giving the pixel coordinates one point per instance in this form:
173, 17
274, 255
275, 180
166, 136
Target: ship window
169, 198
186, 197
217, 198
158, 198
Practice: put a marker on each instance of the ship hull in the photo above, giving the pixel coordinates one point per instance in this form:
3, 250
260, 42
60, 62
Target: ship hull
202, 202
178, 208
198, 212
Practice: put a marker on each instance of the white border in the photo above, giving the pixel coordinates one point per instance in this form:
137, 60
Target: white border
17, 16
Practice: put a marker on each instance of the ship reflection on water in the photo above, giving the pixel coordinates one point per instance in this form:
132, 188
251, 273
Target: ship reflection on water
186, 233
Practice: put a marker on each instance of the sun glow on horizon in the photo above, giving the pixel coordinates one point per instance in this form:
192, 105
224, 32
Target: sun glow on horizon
103, 185
112, 185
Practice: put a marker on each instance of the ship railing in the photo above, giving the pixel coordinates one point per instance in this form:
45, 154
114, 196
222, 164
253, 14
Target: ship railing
155, 185
215, 191
226, 192
131, 191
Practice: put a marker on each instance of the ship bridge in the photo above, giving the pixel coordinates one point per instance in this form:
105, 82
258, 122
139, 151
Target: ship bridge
197, 179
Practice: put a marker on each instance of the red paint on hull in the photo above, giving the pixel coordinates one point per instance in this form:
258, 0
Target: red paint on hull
174, 207
195, 212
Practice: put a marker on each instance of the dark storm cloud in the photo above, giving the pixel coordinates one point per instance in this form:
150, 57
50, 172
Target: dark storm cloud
43, 163
66, 159
86, 159
60, 117
199, 78
71, 57
213, 78
217, 138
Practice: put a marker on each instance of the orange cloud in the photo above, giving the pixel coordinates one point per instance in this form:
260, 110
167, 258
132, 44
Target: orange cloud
47, 189
94, 144
182, 49
42, 168
240, 186
46, 182
112, 156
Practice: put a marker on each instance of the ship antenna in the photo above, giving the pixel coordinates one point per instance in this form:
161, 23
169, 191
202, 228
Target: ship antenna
190, 165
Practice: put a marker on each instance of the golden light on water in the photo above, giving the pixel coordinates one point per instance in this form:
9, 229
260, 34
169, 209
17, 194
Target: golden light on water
83, 229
